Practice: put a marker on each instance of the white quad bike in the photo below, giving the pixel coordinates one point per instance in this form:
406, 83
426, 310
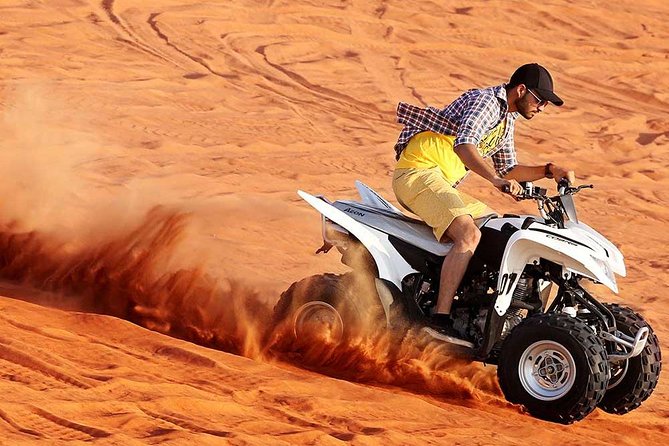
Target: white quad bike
559, 351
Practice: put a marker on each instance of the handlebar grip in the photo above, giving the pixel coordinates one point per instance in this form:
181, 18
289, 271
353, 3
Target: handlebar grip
563, 183
506, 189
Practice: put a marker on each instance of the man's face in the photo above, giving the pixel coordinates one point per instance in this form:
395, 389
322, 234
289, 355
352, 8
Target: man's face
529, 104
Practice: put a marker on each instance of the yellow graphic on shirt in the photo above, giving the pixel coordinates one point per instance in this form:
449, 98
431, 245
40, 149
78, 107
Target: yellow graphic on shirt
493, 139
428, 149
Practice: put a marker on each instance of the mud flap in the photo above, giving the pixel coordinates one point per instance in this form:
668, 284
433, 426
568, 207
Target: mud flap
493, 329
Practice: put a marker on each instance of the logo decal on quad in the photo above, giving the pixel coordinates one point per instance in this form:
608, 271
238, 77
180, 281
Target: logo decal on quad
560, 239
354, 212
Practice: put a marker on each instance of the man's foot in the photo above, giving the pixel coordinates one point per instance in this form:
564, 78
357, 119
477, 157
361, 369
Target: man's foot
440, 327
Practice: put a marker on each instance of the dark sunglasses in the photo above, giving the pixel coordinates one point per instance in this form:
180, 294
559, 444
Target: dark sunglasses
541, 102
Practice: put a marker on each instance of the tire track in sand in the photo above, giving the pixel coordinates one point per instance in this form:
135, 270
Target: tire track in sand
153, 23
186, 424
129, 36
17, 358
323, 92
7, 419
40, 423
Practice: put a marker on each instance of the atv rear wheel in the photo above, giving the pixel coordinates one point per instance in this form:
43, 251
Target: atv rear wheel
633, 380
555, 366
326, 307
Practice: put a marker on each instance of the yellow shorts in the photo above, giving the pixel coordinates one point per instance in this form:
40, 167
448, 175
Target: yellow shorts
426, 193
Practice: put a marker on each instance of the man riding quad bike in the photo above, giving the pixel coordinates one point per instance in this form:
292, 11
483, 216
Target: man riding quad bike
522, 303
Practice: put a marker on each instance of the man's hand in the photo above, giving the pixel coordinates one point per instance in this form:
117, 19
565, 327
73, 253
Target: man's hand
560, 173
513, 187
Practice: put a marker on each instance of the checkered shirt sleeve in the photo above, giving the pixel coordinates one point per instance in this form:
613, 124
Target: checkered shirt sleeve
424, 118
480, 113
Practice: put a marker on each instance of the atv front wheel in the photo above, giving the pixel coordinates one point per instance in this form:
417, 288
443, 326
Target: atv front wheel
555, 366
632, 380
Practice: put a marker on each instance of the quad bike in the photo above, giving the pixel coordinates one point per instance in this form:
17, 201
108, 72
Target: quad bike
521, 305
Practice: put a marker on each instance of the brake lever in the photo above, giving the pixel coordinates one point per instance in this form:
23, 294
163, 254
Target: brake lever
573, 190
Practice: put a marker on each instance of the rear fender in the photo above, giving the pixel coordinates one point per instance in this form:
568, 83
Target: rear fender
526, 247
390, 264
370, 197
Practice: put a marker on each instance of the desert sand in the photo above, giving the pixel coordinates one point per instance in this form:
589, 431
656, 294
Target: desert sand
149, 161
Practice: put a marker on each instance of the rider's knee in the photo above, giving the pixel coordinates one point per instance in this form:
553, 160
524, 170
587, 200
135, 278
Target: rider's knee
468, 234
473, 237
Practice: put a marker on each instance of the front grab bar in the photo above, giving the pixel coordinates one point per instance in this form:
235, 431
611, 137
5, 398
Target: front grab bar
635, 345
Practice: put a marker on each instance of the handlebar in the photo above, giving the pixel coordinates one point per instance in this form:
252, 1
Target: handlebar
556, 209
531, 192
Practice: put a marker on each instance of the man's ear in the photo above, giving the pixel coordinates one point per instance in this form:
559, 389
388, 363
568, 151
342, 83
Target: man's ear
518, 91
521, 89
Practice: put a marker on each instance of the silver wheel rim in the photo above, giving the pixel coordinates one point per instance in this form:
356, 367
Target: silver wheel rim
618, 372
547, 370
318, 319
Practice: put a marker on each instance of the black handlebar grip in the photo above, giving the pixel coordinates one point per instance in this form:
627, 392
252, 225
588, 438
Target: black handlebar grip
506, 189
563, 183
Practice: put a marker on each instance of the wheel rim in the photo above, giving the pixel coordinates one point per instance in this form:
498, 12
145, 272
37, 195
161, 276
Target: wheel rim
618, 372
318, 319
547, 370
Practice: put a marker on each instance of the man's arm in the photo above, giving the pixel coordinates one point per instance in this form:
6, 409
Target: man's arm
472, 159
526, 173
533, 173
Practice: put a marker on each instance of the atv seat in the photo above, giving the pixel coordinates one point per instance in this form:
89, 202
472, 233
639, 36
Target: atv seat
394, 223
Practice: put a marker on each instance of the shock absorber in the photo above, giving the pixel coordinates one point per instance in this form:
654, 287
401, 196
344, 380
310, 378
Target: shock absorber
519, 305
522, 290
523, 297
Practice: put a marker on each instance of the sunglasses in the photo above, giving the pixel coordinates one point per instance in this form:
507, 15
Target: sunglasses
541, 102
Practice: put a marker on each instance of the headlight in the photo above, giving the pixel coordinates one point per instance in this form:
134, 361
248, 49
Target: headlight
604, 265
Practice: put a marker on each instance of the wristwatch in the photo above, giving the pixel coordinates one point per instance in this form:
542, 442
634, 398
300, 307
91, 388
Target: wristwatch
547, 170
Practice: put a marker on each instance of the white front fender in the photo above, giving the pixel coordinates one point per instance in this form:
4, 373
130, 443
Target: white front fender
616, 258
527, 246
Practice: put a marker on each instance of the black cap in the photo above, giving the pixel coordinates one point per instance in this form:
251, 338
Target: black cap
538, 79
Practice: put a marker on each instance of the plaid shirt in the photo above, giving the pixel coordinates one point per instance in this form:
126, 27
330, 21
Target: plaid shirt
469, 118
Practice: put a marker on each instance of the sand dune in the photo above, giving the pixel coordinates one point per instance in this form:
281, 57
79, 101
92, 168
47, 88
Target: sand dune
149, 160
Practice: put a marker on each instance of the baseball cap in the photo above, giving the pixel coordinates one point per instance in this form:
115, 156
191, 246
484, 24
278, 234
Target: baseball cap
538, 79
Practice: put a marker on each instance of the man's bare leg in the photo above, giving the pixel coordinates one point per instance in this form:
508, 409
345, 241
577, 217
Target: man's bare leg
465, 237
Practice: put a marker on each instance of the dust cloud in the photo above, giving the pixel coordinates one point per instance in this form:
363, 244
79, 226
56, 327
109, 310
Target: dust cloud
93, 252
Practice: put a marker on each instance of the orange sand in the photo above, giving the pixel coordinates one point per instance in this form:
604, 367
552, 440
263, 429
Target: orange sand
149, 160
